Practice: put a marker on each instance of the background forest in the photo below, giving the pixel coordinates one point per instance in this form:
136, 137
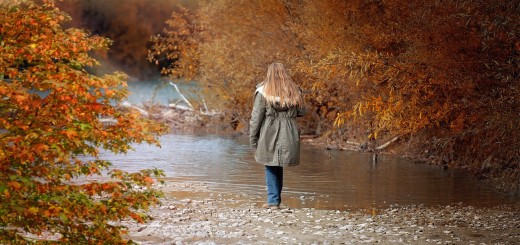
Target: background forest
442, 75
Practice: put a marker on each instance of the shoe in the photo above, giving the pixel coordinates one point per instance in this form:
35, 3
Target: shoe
267, 206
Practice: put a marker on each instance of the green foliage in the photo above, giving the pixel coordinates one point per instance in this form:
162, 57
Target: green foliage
50, 108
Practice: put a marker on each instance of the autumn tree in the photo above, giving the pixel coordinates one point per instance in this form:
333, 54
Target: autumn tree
234, 43
441, 75
50, 111
177, 48
128, 23
227, 69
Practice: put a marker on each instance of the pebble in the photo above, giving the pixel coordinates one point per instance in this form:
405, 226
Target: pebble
200, 220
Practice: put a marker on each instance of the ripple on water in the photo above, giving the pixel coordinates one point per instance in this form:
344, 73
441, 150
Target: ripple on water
330, 180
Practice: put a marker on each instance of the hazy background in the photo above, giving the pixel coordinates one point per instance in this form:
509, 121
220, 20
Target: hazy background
130, 24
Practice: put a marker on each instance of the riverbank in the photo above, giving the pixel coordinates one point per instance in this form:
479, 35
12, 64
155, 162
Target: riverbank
195, 213
182, 121
506, 180
191, 213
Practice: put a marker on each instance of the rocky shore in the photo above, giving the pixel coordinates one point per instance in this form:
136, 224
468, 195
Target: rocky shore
191, 213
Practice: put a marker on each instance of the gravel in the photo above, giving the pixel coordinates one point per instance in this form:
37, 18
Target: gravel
200, 216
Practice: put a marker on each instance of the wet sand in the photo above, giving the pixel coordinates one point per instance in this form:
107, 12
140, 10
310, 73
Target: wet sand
192, 213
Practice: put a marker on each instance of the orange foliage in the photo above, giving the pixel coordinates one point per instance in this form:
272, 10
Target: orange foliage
441, 68
128, 23
178, 49
50, 108
446, 71
234, 43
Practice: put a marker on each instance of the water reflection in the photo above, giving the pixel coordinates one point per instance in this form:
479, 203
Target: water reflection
325, 179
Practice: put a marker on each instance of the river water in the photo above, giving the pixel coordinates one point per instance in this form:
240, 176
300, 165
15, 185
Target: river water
324, 179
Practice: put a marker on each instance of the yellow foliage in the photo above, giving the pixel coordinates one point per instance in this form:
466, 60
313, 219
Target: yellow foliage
50, 110
374, 64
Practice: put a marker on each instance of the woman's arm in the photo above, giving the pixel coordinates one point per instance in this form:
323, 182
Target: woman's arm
301, 111
257, 118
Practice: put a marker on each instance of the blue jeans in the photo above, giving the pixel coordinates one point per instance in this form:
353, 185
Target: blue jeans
274, 181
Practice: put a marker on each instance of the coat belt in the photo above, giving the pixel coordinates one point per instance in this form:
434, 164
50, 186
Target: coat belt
282, 116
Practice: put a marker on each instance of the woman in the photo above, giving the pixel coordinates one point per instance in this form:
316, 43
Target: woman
273, 130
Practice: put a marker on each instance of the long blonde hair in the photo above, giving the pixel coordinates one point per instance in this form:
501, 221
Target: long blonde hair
279, 87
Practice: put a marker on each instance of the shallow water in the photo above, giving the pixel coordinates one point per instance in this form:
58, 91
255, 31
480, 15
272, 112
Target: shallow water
324, 179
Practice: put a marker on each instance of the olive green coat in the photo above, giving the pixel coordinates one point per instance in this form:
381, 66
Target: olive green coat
274, 133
